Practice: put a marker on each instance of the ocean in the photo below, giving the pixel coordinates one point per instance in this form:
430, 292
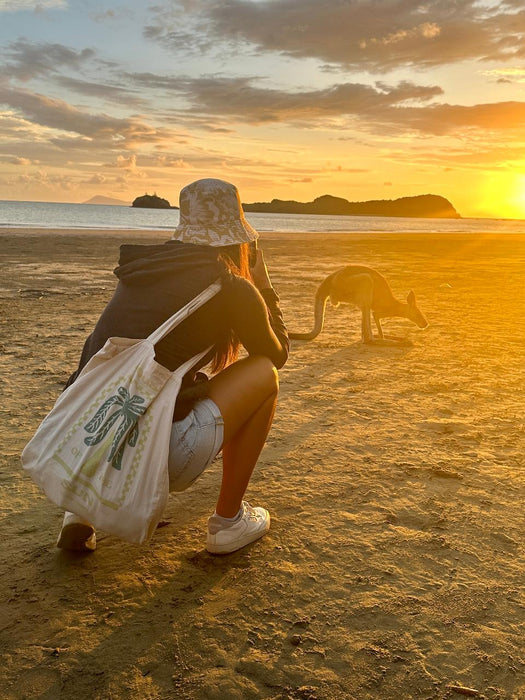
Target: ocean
51, 215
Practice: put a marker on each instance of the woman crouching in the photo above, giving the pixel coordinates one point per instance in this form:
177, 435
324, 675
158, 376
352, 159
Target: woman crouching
232, 411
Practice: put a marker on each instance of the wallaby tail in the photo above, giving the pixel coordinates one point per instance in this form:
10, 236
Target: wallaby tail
321, 297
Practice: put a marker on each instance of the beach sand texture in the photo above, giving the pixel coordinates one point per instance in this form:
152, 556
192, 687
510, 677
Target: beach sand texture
394, 568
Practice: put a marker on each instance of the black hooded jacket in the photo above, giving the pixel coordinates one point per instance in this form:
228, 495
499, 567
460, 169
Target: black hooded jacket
157, 280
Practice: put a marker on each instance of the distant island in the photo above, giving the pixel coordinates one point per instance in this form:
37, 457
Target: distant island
430, 206
152, 201
99, 199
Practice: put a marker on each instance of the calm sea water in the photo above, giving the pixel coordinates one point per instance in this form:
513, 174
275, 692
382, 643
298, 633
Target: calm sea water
90, 216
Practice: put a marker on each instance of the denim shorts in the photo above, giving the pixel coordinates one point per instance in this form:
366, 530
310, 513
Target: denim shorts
195, 442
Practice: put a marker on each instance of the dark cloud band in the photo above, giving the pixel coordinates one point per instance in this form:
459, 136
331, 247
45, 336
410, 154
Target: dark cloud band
365, 35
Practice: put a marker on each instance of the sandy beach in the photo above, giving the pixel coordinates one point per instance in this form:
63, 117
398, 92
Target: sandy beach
394, 568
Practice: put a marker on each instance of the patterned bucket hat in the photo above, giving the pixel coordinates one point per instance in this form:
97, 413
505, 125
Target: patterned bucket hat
211, 214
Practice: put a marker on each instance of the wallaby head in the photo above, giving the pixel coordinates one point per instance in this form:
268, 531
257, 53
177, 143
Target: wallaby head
414, 314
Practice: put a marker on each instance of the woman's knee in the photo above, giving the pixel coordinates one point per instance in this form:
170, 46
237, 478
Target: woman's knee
242, 389
252, 379
266, 372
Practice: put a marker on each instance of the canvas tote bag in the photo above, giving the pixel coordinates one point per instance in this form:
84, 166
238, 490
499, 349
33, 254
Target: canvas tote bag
102, 451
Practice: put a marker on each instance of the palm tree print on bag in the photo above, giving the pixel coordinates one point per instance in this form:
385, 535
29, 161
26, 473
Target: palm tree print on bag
129, 411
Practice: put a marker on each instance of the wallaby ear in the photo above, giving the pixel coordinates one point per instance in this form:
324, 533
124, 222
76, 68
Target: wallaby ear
411, 298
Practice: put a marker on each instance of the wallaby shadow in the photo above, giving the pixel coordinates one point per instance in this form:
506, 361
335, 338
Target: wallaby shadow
326, 363
329, 383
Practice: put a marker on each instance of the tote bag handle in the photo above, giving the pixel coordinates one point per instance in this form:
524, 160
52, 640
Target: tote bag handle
183, 313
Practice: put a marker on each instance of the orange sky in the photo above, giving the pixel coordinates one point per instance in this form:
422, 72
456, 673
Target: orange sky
287, 98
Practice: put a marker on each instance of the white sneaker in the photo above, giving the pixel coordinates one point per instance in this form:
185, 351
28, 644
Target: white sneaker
253, 523
76, 534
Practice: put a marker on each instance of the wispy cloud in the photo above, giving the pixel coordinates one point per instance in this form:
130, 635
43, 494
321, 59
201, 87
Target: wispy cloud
17, 160
367, 35
449, 119
106, 130
113, 93
379, 108
25, 60
474, 156
45, 179
507, 75
111, 15
18, 5
242, 100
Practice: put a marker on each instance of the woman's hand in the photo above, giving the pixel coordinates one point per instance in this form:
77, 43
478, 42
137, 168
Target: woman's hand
259, 272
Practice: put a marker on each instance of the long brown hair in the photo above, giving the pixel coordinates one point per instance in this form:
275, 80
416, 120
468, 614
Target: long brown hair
236, 261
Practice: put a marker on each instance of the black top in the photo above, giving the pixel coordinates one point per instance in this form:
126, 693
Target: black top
157, 280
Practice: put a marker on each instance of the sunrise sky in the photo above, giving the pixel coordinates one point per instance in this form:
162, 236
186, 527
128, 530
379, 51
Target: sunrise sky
363, 99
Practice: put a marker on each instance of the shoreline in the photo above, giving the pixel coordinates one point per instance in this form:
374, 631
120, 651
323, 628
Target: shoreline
132, 233
460, 217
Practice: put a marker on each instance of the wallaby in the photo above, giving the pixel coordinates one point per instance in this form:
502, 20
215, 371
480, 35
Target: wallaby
367, 289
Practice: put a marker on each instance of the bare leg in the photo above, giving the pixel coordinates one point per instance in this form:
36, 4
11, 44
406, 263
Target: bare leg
246, 394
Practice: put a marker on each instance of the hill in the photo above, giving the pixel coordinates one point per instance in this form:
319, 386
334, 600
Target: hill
421, 206
151, 201
99, 199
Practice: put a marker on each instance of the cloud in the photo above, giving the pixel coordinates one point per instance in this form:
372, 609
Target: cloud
13, 127
165, 161
114, 14
213, 161
476, 156
240, 99
126, 162
113, 93
37, 5
340, 169
102, 128
17, 160
43, 178
449, 119
26, 60
96, 179
507, 75
379, 108
371, 35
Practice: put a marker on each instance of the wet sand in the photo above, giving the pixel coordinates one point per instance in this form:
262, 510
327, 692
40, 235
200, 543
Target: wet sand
394, 568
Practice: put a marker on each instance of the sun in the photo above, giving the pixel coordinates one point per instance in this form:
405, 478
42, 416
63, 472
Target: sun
503, 196
517, 199
521, 198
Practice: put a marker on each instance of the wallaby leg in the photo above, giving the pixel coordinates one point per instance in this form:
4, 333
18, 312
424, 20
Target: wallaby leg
378, 324
382, 336
366, 327
364, 289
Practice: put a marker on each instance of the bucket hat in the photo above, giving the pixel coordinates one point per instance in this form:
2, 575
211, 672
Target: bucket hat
211, 214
